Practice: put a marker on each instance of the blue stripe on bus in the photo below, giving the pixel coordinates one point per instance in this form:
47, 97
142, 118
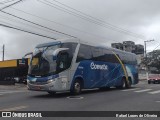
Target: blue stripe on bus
112, 76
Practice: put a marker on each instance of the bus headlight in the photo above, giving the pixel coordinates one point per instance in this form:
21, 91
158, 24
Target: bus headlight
49, 81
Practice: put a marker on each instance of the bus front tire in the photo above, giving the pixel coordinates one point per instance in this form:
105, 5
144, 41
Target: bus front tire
77, 87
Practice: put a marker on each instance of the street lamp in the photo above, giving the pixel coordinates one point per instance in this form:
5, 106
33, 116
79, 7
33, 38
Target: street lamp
145, 56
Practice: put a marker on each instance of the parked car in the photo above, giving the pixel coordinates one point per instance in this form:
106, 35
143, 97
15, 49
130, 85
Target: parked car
22, 79
154, 80
17, 79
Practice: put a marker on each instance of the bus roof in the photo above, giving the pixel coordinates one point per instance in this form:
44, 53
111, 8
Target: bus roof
58, 41
48, 44
117, 50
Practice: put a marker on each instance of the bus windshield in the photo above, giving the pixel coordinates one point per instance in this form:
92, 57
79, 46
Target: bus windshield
42, 62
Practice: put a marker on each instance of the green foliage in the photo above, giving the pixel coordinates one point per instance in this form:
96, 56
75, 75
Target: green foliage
153, 60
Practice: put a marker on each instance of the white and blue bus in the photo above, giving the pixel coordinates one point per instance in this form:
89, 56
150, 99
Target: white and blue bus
73, 65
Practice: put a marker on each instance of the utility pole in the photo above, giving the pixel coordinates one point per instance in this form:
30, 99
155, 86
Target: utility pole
145, 56
3, 52
145, 47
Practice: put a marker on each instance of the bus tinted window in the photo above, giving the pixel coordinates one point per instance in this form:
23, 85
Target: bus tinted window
70, 52
105, 55
95, 52
98, 54
109, 56
71, 46
127, 58
84, 53
101, 55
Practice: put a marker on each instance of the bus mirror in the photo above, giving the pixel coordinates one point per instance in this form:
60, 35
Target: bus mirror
30, 53
56, 52
23, 60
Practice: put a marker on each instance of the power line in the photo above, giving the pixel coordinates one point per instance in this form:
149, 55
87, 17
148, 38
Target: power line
90, 19
156, 47
10, 5
86, 32
82, 17
3, 25
37, 24
6, 18
67, 26
97, 19
52, 21
6, 1
31, 21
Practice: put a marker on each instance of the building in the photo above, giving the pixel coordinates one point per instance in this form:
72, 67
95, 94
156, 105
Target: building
139, 49
117, 46
9, 69
129, 46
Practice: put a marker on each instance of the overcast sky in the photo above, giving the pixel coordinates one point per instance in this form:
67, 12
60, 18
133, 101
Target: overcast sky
109, 21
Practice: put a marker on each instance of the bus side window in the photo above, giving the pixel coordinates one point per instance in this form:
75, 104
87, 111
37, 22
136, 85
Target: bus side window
101, 55
107, 55
84, 53
96, 53
110, 57
71, 51
122, 57
63, 61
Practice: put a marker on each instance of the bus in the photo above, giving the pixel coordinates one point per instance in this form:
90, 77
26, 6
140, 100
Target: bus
73, 65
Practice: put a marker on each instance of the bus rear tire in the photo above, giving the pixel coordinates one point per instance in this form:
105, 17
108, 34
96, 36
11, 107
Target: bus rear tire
124, 84
129, 84
149, 82
77, 87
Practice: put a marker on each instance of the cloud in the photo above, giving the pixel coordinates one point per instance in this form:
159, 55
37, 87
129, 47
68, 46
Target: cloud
138, 16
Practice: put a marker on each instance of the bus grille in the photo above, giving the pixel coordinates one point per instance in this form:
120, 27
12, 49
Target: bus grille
38, 83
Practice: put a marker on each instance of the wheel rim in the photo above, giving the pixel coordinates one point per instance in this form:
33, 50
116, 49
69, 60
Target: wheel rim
124, 84
77, 87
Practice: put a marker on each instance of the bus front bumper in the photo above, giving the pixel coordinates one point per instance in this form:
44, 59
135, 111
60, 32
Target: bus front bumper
46, 87
43, 87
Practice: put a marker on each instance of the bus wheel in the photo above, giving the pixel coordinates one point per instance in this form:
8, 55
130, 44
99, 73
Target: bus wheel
128, 85
51, 92
76, 87
149, 82
124, 84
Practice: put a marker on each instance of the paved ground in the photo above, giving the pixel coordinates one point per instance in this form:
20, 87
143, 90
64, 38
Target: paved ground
12, 87
142, 97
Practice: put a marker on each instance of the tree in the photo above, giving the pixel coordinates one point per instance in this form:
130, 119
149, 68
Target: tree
153, 60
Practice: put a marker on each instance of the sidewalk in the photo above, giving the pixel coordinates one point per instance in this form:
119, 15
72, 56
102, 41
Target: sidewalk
13, 87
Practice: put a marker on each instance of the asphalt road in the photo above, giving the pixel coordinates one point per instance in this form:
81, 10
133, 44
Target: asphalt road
141, 97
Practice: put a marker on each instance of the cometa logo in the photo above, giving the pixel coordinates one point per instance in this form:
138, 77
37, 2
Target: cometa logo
98, 67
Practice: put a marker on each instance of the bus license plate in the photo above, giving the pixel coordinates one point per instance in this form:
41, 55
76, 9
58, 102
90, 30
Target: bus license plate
37, 88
